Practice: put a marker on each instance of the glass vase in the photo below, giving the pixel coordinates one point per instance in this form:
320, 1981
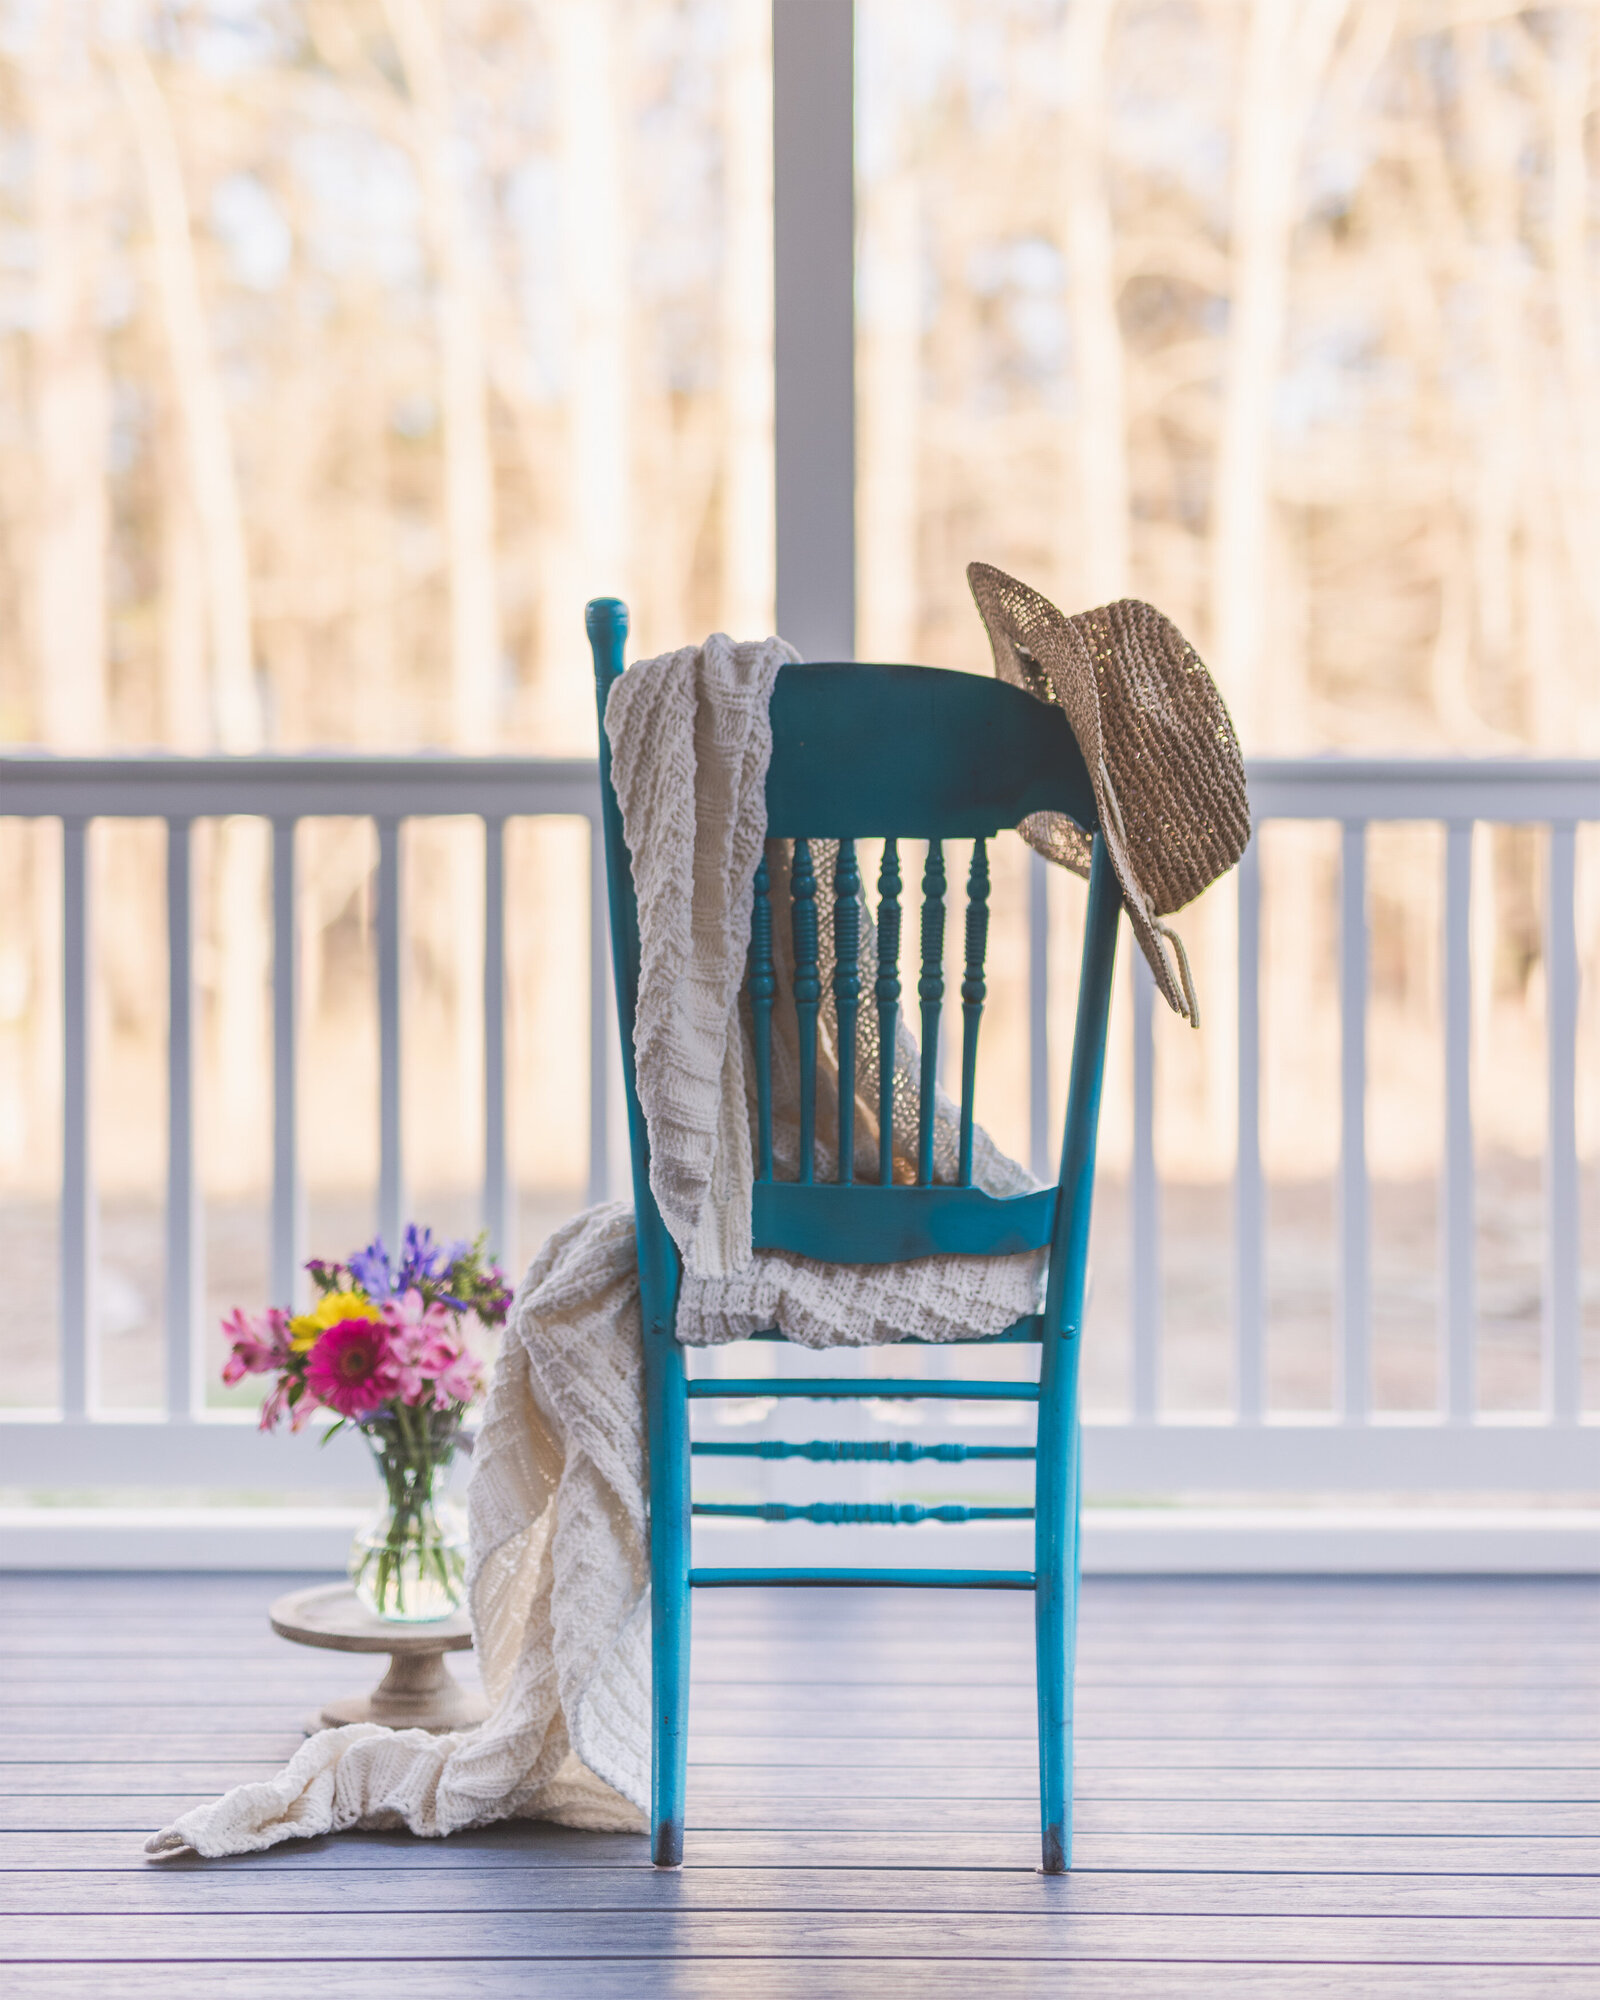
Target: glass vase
409, 1563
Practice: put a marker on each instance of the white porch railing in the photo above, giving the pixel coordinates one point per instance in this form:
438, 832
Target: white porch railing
1455, 1448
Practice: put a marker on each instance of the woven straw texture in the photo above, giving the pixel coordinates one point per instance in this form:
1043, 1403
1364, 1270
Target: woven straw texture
1158, 742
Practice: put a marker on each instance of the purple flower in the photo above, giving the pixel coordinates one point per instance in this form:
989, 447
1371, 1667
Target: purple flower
422, 1259
422, 1263
370, 1269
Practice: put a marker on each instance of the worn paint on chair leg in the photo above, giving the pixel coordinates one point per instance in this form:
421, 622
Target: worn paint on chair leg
668, 1423
1055, 1595
1057, 1478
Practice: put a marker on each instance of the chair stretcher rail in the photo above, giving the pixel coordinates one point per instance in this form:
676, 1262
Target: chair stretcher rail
830, 1387
921, 1579
858, 1513
850, 1451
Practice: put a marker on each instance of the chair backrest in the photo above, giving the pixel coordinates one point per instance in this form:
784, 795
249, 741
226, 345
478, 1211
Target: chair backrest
889, 753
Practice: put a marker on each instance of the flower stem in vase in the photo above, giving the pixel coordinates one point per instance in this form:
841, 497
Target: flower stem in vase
410, 1564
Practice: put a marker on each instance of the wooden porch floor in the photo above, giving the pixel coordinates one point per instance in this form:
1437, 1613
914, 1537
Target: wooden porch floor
1285, 1788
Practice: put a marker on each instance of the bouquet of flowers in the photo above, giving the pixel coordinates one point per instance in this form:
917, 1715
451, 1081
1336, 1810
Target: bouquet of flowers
384, 1350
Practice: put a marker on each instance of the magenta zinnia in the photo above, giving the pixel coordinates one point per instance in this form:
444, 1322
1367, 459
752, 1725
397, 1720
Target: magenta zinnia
350, 1368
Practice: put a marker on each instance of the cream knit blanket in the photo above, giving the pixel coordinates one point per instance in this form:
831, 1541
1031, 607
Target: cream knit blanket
559, 1574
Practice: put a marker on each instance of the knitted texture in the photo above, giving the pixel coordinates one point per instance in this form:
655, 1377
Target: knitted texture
690, 744
558, 1579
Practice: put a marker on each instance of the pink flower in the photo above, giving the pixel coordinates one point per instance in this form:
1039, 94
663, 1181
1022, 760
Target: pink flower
278, 1405
459, 1383
260, 1343
350, 1368
431, 1365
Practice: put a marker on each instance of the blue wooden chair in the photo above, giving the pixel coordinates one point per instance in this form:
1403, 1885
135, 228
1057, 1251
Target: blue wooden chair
892, 753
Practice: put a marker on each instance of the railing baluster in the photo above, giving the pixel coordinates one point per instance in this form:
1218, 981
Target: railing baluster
182, 1233
807, 996
497, 1204
1562, 1309
973, 992
194, 790
79, 1351
604, 1051
930, 991
1459, 1233
1249, 1264
887, 994
1041, 1136
287, 1197
1145, 1235
847, 995
1355, 1275
391, 1199
763, 990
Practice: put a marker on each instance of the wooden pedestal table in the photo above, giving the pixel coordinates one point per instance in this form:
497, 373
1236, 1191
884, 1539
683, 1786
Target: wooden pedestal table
418, 1691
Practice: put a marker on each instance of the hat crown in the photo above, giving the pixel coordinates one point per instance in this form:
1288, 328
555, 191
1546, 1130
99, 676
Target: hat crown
1162, 751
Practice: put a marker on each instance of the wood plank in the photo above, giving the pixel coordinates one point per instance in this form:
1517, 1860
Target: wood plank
771, 1806
277, 1732
1373, 1790
547, 1886
1491, 1633
907, 1639
1135, 1681
1163, 1655
1166, 1656
537, 1844
757, 1978
997, 1778
1201, 1754
1007, 1731
1059, 1937
845, 1712
960, 1844
1360, 1770
133, 1821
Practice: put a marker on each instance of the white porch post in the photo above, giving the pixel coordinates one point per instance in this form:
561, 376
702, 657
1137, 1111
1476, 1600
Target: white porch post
813, 143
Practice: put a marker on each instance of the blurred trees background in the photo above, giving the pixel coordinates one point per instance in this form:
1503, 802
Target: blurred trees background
346, 346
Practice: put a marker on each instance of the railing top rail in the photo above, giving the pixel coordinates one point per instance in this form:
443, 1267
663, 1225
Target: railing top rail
293, 784
288, 784
1424, 788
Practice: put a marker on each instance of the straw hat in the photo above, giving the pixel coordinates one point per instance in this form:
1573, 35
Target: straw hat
1160, 746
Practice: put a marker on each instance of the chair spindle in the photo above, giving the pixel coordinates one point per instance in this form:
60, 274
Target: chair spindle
807, 994
972, 994
763, 987
847, 995
887, 994
930, 990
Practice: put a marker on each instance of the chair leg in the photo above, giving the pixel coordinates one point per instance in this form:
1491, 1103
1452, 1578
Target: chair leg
667, 1416
1056, 1499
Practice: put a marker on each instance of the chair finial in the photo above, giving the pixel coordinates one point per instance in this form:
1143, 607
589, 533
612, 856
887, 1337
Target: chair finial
605, 617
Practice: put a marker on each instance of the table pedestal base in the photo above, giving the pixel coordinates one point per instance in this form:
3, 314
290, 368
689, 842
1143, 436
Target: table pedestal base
418, 1691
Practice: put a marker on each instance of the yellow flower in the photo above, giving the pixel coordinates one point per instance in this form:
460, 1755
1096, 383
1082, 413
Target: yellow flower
308, 1328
